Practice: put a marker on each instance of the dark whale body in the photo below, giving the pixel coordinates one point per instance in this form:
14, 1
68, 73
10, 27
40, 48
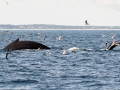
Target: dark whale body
18, 45
113, 45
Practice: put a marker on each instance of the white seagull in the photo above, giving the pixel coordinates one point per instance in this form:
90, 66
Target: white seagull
73, 49
59, 38
113, 36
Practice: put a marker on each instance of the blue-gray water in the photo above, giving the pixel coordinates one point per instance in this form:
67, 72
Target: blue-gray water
90, 68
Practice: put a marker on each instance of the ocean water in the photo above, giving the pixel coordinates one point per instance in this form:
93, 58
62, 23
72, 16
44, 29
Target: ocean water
91, 67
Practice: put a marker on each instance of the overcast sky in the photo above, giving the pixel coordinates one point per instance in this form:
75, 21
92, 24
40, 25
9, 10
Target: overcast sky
60, 12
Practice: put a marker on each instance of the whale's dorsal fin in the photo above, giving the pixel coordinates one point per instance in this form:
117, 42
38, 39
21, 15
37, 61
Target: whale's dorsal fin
17, 40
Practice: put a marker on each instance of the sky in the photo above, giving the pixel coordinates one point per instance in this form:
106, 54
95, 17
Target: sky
60, 12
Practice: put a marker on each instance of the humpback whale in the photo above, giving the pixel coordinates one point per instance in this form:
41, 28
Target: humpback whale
113, 45
18, 45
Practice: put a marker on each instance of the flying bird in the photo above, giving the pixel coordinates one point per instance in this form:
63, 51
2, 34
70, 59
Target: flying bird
43, 39
64, 52
113, 37
59, 38
103, 35
86, 23
7, 3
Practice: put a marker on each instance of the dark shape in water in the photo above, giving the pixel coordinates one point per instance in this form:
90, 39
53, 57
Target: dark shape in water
113, 45
18, 45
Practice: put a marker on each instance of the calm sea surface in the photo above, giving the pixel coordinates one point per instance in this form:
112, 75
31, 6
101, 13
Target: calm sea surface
89, 68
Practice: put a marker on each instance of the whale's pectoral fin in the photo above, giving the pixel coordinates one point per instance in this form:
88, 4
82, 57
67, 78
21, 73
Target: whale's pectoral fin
7, 53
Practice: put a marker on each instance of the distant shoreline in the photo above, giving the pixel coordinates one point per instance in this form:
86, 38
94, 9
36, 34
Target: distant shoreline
55, 27
58, 29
